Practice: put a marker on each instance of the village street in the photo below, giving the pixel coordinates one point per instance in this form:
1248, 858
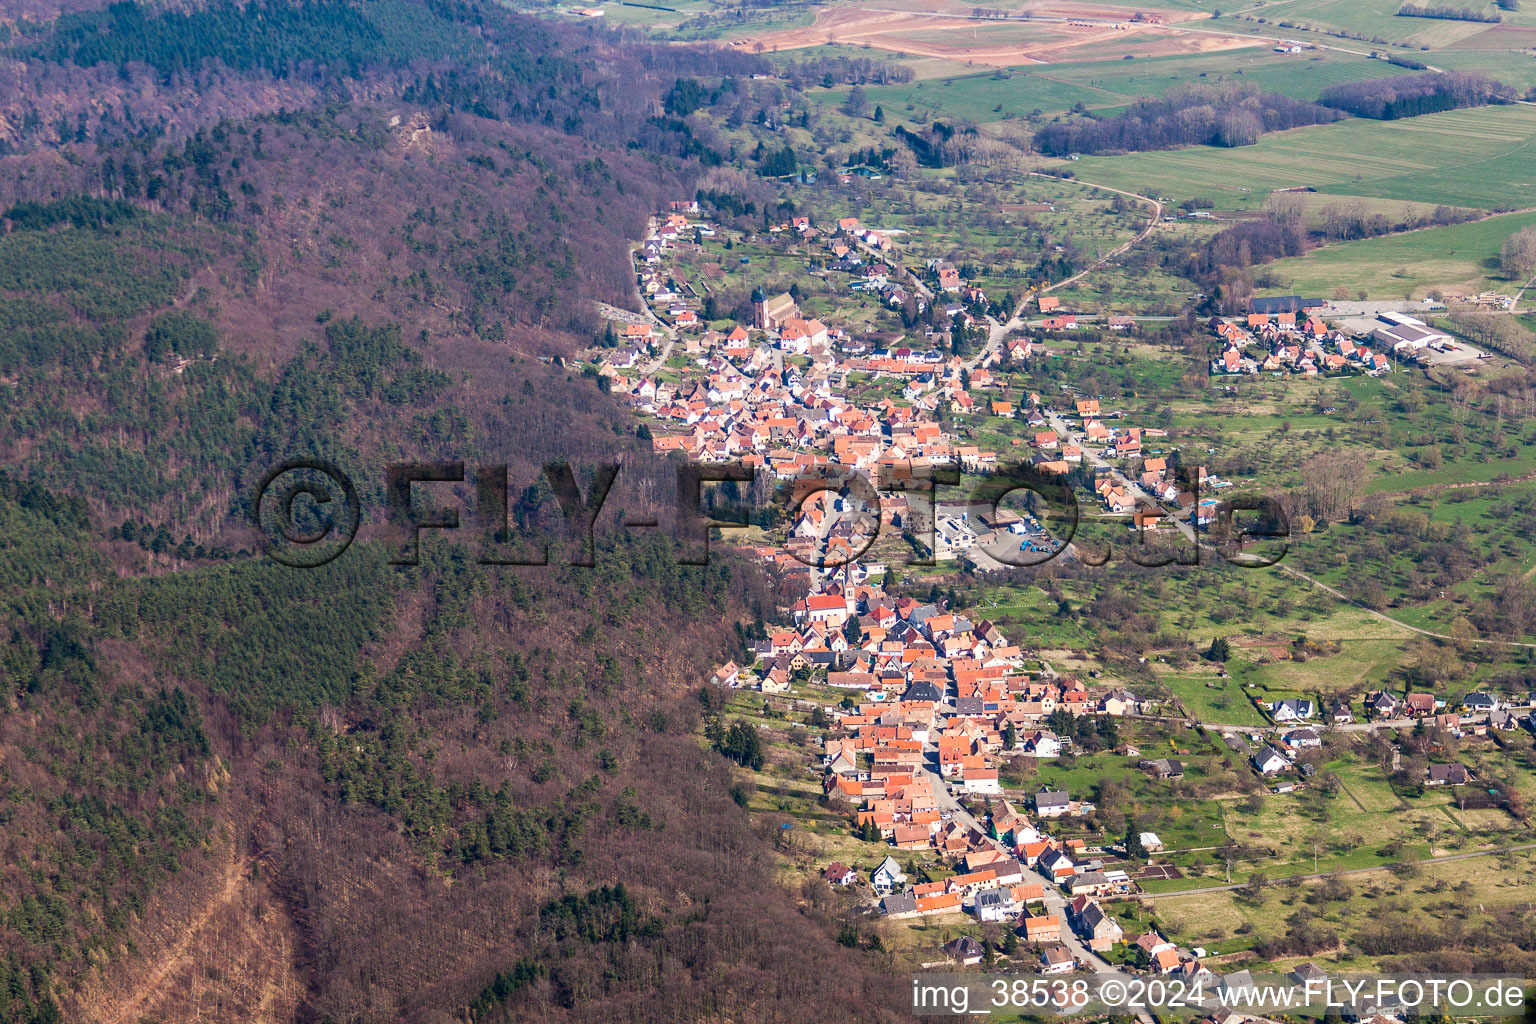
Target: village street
996, 335
946, 801
1056, 904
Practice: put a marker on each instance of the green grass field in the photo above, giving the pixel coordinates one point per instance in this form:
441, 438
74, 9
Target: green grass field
1209, 698
1300, 75
1463, 257
1360, 661
991, 96
1516, 68
1477, 158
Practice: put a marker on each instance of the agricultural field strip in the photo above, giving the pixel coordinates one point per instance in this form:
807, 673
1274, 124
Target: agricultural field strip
1362, 152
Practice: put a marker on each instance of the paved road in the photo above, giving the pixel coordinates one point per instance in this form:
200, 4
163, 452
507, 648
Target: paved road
996, 334
661, 357
1056, 903
1055, 900
1087, 959
1391, 723
1514, 304
1350, 871
947, 801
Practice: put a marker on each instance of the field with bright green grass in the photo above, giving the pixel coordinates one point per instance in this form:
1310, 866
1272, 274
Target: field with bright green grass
1516, 68
1456, 473
732, 29
650, 17
1019, 92
1461, 257
1480, 158
1302, 75
1493, 165
1208, 698
1358, 662
1029, 618
980, 98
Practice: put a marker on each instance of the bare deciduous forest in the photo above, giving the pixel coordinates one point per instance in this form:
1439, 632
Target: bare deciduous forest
365, 793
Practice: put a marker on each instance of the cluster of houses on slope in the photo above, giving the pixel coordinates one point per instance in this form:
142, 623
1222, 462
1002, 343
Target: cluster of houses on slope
927, 676
1109, 439
1156, 478
743, 402
997, 882
1474, 714
1003, 880
746, 404
1290, 342
1055, 318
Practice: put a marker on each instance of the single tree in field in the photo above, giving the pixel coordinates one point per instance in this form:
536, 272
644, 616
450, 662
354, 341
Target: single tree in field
857, 103
1518, 256
1221, 649
1133, 845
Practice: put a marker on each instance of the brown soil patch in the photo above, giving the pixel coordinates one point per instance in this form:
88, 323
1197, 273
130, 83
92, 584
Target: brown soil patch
1054, 32
1499, 37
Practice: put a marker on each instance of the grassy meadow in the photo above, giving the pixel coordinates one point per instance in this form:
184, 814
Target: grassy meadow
1461, 257
1479, 158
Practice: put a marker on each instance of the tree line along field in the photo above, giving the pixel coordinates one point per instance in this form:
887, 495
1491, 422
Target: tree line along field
1479, 158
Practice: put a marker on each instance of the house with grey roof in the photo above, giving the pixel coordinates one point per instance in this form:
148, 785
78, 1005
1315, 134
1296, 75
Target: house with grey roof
1270, 761
1292, 709
994, 905
964, 950
1052, 805
888, 877
1448, 775
923, 690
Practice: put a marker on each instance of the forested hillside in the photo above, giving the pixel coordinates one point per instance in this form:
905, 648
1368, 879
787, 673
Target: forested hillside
236, 234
